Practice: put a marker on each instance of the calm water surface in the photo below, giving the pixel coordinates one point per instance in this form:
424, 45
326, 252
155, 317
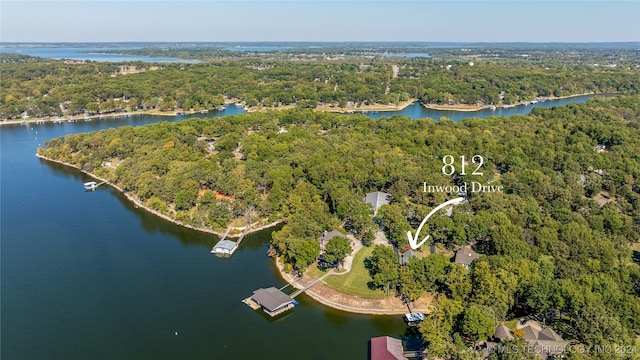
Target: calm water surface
88, 275
86, 54
417, 111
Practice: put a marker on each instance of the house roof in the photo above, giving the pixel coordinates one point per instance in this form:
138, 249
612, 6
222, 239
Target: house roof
466, 255
543, 338
377, 199
502, 333
326, 236
548, 334
386, 348
405, 256
271, 298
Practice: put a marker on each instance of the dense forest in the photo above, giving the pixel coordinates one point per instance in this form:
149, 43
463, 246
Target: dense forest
557, 239
32, 87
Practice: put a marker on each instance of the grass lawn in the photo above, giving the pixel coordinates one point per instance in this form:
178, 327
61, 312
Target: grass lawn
355, 282
314, 272
511, 324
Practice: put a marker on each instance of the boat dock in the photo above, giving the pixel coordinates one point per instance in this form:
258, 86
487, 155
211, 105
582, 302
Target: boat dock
92, 185
274, 301
225, 247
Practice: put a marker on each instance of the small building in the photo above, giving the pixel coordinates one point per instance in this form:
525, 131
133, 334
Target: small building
386, 348
465, 256
376, 200
273, 301
405, 256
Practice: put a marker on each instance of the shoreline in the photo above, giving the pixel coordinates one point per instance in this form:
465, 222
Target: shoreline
109, 116
388, 306
472, 108
139, 204
375, 107
324, 108
334, 299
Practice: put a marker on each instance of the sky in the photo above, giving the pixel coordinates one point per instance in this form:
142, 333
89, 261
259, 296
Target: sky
235, 21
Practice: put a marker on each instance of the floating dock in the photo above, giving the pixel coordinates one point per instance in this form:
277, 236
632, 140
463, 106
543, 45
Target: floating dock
274, 301
92, 185
228, 247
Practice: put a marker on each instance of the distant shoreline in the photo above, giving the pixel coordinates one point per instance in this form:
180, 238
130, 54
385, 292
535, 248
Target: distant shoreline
472, 108
139, 204
324, 108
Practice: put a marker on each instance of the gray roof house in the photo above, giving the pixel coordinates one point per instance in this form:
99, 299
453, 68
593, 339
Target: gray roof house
405, 256
328, 235
502, 333
465, 256
542, 338
272, 300
376, 200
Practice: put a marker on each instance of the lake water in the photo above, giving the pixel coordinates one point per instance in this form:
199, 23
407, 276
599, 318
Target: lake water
417, 111
88, 275
86, 54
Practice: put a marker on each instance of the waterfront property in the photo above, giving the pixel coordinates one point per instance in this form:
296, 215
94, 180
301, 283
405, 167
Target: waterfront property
272, 301
543, 340
376, 200
328, 235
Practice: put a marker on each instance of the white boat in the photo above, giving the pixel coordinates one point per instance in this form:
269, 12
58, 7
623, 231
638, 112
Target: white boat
238, 105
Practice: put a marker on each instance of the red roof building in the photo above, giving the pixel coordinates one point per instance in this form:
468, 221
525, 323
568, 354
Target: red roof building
386, 348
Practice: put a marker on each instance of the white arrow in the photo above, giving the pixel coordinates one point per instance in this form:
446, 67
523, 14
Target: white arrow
413, 241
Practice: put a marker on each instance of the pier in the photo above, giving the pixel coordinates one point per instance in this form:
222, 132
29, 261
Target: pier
274, 301
92, 185
226, 247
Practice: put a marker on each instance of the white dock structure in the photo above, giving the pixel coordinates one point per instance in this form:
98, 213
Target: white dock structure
225, 247
92, 185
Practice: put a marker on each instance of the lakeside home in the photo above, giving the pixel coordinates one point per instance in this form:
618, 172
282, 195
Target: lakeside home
376, 200
465, 256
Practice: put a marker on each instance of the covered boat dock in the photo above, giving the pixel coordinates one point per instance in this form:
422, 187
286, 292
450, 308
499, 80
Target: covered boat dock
272, 301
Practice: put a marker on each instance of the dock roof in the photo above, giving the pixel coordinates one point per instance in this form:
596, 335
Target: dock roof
271, 298
225, 245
